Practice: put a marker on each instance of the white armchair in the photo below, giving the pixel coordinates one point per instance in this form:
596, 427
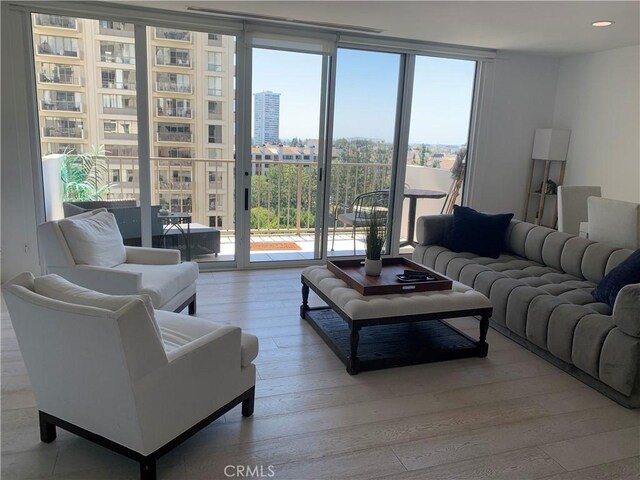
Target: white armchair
614, 222
87, 250
572, 208
104, 368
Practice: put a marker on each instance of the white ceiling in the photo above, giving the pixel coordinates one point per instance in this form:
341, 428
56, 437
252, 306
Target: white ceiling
552, 28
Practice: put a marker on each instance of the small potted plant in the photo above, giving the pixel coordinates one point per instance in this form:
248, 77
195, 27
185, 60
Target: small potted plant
375, 236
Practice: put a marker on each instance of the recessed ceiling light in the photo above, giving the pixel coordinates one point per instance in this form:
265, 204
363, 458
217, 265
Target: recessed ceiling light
602, 23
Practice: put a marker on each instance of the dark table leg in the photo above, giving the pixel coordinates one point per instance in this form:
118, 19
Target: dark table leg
412, 222
188, 241
305, 300
354, 364
483, 347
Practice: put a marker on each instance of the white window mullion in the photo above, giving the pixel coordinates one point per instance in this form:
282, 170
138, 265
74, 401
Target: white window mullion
144, 143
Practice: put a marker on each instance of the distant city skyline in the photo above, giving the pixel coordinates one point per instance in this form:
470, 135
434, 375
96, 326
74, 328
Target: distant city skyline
366, 95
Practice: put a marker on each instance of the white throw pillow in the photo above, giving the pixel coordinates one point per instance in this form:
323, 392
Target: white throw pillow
94, 240
58, 288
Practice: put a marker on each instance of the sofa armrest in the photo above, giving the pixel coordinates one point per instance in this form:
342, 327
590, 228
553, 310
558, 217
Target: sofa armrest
431, 229
152, 256
626, 310
101, 279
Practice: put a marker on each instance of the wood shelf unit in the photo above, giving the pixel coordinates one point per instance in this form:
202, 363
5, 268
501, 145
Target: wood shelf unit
540, 173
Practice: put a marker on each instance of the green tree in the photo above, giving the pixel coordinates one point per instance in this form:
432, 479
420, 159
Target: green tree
84, 175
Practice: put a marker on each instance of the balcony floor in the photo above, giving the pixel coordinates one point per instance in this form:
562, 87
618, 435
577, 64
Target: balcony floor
343, 247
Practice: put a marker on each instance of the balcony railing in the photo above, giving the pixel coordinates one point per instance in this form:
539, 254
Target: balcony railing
214, 67
172, 87
174, 62
56, 21
45, 49
119, 85
214, 40
215, 92
61, 105
63, 132
215, 139
127, 31
59, 79
120, 110
214, 116
175, 137
120, 136
169, 34
125, 59
173, 112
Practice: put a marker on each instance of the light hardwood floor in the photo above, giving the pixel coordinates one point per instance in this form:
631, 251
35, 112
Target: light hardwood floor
508, 416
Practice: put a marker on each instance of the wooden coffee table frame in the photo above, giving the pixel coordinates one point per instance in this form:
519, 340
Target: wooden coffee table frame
351, 360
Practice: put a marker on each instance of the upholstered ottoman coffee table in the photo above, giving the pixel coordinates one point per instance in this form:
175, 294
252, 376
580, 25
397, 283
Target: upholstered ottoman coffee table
409, 327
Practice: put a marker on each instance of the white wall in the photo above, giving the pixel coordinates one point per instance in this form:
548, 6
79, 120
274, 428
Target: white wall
518, 98
19, 247
598, 99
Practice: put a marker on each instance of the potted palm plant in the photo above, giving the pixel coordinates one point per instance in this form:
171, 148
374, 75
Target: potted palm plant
375, 236
85, 175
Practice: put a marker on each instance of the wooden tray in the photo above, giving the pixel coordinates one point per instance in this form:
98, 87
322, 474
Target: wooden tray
352, 272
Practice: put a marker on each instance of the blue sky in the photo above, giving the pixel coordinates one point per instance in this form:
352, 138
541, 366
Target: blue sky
366, 92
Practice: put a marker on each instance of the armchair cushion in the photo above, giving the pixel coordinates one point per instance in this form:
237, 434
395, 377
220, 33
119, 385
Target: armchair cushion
178, 330
477, 232
94, 240
162, 282
58, 288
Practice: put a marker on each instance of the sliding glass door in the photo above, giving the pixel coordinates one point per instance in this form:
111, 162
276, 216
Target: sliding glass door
364, 137
286, 146
438, 140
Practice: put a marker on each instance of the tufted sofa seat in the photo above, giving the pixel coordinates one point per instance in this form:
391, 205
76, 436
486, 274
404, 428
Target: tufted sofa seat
540, 288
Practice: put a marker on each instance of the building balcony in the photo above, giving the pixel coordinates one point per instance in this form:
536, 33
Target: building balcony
214, 40
127, 31
120, 110
169, 34
214, 116
175, 137
120, 136
214, 67
173, 87
131, 86
214, 92
45, 49
173, 112
123, 59
56, 21
174, 62
62, 132
60, 105
174, 186
59, 79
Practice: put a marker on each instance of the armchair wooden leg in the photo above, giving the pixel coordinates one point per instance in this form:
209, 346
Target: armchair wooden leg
148, 469
247, 403
47, 430
192, 306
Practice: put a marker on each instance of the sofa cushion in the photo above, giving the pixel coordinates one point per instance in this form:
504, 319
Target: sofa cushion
626, 308
477, 232
94, 239
626, 273
178, 330
58, 288
163, 282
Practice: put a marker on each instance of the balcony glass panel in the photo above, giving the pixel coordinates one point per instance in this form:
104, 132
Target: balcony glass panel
118, 29
174, 57
171, 34
63, 46
62, 127
118, 79
57, 21
61, 74
114, 52
173, 107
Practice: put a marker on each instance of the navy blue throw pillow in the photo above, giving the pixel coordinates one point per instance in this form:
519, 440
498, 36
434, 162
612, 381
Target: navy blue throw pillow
624, 274
477, 232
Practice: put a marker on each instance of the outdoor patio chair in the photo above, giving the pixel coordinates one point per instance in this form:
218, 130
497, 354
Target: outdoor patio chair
358, 213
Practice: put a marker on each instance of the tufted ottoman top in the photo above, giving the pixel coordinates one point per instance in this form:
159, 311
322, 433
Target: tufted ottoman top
360, 307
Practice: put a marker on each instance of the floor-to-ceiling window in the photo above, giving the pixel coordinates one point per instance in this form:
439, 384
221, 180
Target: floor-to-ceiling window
438, 139
364, 134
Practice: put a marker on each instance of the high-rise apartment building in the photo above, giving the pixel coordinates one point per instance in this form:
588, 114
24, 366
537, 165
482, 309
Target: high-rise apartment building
86, 84
266, 107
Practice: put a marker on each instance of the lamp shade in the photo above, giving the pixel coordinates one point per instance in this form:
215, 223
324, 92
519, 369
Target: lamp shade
551, 144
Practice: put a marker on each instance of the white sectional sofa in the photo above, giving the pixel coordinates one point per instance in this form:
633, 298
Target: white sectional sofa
540, 287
